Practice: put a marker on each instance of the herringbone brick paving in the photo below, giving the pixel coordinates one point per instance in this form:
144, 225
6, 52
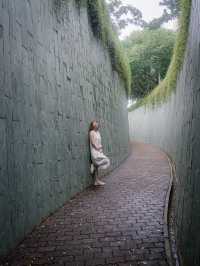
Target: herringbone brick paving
119, 224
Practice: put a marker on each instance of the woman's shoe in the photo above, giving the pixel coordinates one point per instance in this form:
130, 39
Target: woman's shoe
96, 183
99, 183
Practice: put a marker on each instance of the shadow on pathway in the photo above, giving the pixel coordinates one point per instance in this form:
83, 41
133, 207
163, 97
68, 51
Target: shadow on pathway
120, 224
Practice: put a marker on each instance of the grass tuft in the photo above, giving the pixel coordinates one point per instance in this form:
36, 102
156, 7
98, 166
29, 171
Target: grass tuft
162, 92
102, 28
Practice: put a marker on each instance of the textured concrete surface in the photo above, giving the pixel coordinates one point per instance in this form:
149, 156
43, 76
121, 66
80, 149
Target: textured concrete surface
120, 224
175, 127
55, 77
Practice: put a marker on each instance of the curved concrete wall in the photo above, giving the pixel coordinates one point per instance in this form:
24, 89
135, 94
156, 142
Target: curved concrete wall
55, 77
175, 127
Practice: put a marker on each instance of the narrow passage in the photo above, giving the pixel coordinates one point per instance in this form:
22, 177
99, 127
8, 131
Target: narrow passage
120, 224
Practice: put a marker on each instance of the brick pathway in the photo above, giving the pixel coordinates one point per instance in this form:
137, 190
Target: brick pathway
120, 224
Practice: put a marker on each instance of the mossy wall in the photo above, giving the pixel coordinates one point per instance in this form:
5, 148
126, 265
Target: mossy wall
175, 127
55, 77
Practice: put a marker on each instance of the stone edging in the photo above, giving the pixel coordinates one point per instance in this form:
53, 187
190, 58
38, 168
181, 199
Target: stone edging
168, 250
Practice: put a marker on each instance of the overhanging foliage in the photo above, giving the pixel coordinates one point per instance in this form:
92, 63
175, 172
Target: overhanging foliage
102, 28
161, 93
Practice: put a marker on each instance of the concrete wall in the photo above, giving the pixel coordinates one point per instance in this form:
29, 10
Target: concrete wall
175, 127
55, 77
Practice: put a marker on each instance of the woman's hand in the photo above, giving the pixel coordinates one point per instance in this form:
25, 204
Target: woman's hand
100, 148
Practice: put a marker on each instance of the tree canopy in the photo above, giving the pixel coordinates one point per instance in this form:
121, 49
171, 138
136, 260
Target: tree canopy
123, 14
149, 53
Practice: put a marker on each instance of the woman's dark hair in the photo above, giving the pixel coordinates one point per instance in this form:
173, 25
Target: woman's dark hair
91, 127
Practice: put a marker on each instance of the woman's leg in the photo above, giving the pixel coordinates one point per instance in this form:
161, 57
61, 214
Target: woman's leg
97, 182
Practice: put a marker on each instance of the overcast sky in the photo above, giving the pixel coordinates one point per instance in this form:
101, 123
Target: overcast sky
150, 9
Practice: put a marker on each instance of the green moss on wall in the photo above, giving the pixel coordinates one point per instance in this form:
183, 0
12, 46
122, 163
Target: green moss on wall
161, 93
102, 28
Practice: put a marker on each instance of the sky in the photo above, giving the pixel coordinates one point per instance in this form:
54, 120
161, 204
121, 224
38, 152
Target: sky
150, 9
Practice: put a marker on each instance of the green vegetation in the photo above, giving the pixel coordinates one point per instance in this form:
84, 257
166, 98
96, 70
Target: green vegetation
123, 14
168, 85
102, 28
149, 53
171, 11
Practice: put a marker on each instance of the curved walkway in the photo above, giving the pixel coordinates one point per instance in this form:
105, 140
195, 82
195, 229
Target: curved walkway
120, 224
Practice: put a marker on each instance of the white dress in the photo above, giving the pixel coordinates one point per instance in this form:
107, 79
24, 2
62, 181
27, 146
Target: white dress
99, 159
